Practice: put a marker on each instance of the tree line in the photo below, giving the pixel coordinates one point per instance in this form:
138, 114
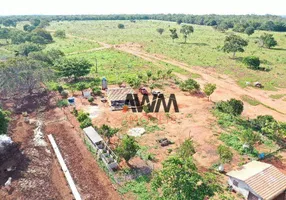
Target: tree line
238, 22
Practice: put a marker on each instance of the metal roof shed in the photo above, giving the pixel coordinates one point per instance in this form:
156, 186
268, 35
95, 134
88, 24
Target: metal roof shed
92, 135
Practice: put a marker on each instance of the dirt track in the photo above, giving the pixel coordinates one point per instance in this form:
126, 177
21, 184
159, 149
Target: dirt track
226, 87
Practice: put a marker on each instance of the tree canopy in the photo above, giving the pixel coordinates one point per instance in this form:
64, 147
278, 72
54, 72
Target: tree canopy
179, 179
267, 40
4, 119
127, 148
72, 67
174, 34
234, 43
22, 76
186, 30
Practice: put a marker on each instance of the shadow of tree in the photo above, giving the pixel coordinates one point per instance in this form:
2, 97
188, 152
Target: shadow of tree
12, 163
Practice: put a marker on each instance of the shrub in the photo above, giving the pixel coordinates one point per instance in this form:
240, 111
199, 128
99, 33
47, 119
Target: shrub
60, 34
225, 153
96, 91
190, 85
82, 116
60, 88
232, 106
252, 62
62, 103
90, 99
85, 123
121, 26
260, 122
187, 149
64, 94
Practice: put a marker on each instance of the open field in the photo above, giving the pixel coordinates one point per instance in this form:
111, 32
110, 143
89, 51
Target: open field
201, 49
125, 55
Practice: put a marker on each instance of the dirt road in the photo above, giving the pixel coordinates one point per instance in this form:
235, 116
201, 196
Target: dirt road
226, 87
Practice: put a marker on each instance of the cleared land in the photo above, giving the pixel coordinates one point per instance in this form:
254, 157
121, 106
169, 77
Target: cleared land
202, 48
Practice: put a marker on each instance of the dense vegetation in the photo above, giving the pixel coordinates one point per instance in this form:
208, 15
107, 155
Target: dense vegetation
239, 22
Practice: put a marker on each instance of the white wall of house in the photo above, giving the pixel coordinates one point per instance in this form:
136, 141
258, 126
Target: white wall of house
242, 188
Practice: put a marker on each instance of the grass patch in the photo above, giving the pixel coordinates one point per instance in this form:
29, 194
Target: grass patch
202, 48
250, 100
138, 187
277, 96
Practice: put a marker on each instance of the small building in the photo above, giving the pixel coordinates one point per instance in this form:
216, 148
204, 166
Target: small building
102, 149
258, 181
104, 83
117, 96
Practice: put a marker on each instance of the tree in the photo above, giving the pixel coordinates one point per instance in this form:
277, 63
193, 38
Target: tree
248, 137
234, 43
60, 34
18, 37
35, 22
225, 154
72, 67
26, 48
267, 40
121, 26
174, 34
186, 30
28, 27
190, 85
252, 62
108, 132
179, 179
41, 36
4, 120
232, 106
160, 30
49, 57
127, 148
149, 74
22, 76
9, 22
179, 21
209, 89
249, 30
186, 149
4, 34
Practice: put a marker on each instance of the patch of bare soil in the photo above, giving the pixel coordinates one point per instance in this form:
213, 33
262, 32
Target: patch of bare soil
33, 177
226, 87
90, 179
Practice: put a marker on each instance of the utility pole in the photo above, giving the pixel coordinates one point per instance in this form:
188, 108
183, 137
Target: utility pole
95, 65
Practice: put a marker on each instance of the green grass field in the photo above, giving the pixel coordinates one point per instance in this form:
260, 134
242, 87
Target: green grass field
70, 45
202, 48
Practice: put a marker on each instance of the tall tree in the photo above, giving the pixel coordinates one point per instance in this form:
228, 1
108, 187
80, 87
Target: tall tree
22, 76
186, 30
267, 40
72, 67
234, 43
174, 34
249, 30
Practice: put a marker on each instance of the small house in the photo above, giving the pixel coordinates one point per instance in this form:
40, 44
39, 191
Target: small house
117, 97
258, 181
